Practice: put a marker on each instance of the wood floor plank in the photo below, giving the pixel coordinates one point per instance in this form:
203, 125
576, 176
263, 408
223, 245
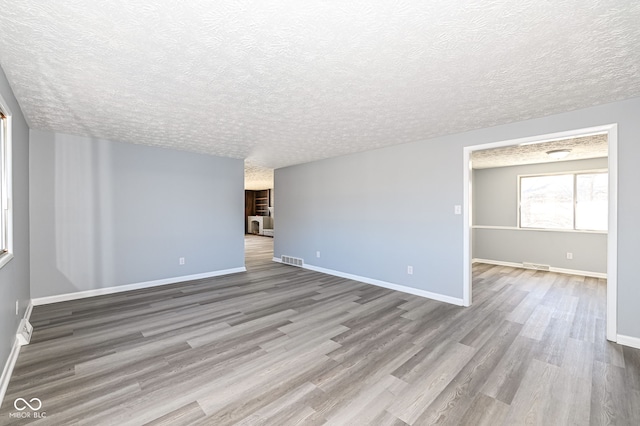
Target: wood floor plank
485, 411
454, 400
609, 406
570, 399
632, 367
184, 415
533, 395
280, 345
505, 380
366, 405
537, 323
423, 390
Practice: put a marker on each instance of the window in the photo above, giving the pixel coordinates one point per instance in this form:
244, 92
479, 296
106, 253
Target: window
6, 231
570, 201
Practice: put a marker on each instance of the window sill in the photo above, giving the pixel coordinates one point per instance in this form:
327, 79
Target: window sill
5, 258
515, 228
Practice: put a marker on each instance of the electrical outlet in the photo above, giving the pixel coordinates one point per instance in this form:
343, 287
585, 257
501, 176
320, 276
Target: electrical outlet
181, 261
570, 256
457, 209
410, 270
317, 254
17, 307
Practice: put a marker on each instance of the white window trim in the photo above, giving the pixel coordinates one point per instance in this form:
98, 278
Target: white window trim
6, 180
574, 173
515, 228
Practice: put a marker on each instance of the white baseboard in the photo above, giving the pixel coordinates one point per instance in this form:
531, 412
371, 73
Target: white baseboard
551, 269
497, 263
128, 287
13, 357
27, 312
576, 272
8, 369
385, 284
632, 342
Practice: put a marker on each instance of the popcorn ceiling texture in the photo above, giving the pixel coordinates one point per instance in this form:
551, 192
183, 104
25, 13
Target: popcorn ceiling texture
257, 177
282, 83
582, 148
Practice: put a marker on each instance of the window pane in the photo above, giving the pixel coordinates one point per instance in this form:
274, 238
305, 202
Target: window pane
546, 202
592, 204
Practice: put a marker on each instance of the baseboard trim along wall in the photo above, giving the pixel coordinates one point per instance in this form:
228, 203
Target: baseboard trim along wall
128, 287
13, 357
633, 342
385, 284
551, 269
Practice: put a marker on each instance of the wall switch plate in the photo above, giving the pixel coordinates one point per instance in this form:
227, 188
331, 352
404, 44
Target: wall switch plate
410, 270
181, 261
317, 254
570, 256
457, 209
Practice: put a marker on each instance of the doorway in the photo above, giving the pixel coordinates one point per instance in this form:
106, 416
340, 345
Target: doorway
611, 272
258, 226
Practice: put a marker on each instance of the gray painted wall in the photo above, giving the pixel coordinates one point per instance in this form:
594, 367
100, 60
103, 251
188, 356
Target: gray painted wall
495, 203
548, 248
14, 276
374, 213
106, 213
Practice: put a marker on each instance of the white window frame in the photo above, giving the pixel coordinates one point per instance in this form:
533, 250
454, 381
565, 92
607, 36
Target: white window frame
6, 184
575, 173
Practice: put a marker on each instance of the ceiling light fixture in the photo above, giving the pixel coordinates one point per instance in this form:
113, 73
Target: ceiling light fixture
558, 154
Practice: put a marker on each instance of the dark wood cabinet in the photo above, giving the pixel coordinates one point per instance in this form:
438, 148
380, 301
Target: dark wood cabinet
256, 203
249, 208
261, 202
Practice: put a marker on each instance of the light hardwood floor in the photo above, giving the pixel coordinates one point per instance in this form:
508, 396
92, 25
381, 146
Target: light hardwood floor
281, 345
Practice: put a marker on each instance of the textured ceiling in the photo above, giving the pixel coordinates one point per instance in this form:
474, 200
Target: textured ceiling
594, 146
281, 83
257, 177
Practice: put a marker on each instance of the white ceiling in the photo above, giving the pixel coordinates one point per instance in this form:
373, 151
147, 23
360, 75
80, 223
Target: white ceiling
581, 148
257, 177
282, 83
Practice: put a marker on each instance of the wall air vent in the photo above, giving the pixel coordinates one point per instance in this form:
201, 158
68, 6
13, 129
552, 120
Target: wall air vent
293, 261
537, 266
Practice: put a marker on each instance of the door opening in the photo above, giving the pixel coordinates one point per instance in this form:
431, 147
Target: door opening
611, 269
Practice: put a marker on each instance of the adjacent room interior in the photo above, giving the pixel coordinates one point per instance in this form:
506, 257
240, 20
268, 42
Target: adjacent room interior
543, 206
539, 230
456, 232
